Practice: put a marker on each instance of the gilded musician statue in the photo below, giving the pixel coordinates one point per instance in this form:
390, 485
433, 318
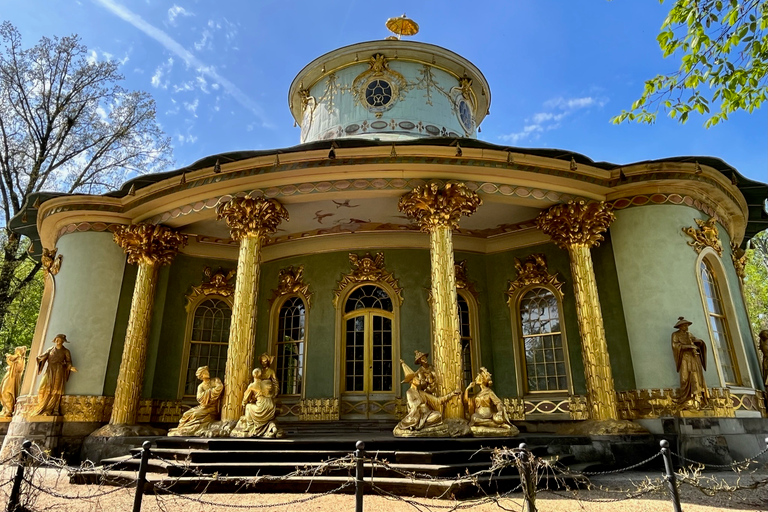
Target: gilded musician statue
57, 373
691, 360
11, 384
485, 410
259, 402
195, 421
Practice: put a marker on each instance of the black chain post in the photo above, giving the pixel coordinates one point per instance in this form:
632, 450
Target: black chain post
525, 460
359, 484
14, 499
670, 475
142, 476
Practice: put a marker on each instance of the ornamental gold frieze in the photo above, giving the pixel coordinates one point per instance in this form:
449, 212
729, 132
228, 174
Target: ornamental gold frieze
247, 216
658, 403
576, 223
219, 283
573, 407
51, 263
149, 243
319, 409
705, 234
532, 270
432, 205
290, 281
367, 269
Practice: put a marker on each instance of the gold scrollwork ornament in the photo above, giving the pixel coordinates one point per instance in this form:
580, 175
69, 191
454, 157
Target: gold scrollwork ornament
704, 235
367, 268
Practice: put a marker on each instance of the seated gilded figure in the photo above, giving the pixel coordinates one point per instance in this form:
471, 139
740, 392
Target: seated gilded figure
259, 402
195, 421
424, 409
485, 410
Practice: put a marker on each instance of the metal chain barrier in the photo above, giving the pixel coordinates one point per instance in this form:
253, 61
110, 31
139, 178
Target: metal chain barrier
737, 464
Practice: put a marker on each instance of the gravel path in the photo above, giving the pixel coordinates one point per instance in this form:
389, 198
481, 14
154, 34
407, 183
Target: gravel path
60, 495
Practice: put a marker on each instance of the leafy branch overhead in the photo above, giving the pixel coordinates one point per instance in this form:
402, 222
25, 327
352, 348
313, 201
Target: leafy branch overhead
723, 51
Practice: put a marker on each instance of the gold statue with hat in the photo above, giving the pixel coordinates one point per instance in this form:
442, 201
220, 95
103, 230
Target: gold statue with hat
690, 355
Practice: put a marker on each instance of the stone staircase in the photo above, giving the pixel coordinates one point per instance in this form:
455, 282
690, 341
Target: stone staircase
188, 465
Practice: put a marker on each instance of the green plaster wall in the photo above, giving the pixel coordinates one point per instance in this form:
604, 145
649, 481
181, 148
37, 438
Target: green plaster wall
85, 305
167, 338
657, 273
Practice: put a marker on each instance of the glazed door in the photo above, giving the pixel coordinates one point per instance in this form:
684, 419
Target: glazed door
367, 365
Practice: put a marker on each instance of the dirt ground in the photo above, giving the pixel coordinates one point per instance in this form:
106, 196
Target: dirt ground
55, 493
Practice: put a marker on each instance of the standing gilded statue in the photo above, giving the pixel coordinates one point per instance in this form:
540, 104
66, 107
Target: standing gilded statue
691, 360
11, 384
485, 410
764, 351
259, 403
56, 375
195, 421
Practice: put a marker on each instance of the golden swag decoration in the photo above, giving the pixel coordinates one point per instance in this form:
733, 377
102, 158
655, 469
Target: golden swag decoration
576, 222
50, 261
290, 281
367, 269
431, 205
149, 243
704, 235
532, 270
217, 283
251, 216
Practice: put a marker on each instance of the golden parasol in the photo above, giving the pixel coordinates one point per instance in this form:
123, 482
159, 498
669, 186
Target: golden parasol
402, 26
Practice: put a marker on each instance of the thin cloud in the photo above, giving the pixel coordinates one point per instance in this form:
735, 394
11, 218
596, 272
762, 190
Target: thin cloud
189, 59
555, 110
176, 11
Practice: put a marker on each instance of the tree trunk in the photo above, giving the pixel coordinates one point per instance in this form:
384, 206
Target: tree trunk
10, 285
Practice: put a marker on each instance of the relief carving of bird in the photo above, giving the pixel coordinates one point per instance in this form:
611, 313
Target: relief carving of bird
319, 215
345, 204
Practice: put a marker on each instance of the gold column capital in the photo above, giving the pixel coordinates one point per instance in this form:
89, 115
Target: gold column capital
576, 223
149, 243
251, 216
433, 206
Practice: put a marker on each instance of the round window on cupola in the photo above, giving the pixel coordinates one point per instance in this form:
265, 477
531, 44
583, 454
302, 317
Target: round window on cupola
464, 111
379, 95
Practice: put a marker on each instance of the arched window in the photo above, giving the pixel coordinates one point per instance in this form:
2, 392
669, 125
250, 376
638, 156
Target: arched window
718, 324
290, 346
208, 342
368, 341
546, 362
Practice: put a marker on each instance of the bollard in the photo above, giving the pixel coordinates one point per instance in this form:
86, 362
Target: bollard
15, 498
670, 475
142, 476
527, 478
359, 455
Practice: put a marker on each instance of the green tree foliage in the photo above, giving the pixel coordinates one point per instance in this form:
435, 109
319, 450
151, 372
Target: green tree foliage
19, 325
65, 125
723, 50
756, 282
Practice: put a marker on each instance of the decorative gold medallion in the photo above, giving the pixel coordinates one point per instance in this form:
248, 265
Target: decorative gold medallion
366, 269
290, 281
532, 270
218, 283
50, 261
706, 235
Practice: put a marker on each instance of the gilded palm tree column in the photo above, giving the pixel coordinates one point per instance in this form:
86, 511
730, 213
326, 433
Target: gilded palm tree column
148, 246
250, 220
577, 227
437, 211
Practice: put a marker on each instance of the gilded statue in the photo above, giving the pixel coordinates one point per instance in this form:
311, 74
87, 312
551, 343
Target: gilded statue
424, 409
691, 361
764, 351
485, 411
425, 371
259, 402
11, 383
195, 421
56, 375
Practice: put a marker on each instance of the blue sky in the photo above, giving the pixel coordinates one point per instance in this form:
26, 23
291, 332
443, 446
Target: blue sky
558, 69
